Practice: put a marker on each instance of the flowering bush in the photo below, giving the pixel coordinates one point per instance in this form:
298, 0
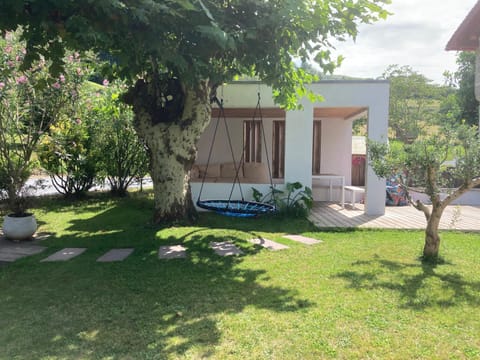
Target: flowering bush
31, 100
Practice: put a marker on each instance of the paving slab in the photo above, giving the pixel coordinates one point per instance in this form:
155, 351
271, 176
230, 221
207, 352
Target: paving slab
225, 248
268, 244
65, 254
302, 239
115, 255
11, 251
172, 252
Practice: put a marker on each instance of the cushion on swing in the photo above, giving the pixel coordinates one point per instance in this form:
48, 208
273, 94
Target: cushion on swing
213, 171
256, 172
228, 170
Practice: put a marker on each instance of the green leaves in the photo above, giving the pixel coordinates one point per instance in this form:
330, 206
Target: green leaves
196, 39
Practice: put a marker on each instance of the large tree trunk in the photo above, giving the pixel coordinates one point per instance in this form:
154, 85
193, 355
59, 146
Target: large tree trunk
170, 121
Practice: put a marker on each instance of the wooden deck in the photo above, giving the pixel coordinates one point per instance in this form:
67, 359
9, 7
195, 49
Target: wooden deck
326, 215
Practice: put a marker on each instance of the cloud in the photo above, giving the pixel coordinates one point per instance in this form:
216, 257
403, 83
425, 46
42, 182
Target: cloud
415, 35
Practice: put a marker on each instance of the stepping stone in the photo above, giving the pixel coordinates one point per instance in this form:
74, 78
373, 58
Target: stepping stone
302, 239
14, 252
225, 248
115, 255
172, 252
268, 244
65, 254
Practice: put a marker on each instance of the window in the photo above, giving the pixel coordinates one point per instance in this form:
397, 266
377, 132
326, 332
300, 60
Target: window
278, 149
252, 141
316, 147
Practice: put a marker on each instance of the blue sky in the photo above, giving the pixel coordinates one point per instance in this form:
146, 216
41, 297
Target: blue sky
415, 35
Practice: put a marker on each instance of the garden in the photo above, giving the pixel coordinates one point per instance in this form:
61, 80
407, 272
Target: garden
65, 114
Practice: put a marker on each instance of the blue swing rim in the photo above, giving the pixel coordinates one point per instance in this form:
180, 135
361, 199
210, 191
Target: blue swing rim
237, 208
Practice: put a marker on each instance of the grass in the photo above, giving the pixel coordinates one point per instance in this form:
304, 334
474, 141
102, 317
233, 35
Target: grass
359, 294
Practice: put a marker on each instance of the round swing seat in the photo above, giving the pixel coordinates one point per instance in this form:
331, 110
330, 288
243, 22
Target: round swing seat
237, 208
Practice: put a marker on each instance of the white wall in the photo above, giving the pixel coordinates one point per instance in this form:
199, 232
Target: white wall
336, 155
373, 95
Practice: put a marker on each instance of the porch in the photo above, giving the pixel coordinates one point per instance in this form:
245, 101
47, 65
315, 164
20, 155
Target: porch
328, 215
312, 146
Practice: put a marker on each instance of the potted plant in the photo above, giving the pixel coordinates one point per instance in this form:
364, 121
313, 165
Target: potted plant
31, 100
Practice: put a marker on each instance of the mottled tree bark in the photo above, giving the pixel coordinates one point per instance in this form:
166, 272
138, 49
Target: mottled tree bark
170, 121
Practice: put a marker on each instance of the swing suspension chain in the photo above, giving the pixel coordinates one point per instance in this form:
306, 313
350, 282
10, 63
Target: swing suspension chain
235, 206
237, 169
209, 153
266, 152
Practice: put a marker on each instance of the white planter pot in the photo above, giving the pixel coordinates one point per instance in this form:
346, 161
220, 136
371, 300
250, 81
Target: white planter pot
19, 228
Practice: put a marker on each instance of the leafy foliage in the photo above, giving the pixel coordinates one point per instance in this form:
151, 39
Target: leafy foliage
122, 156
194, 40
294, 201
30, 101
464, 79
412, 101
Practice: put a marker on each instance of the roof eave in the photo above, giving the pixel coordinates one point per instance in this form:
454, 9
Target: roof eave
466, 36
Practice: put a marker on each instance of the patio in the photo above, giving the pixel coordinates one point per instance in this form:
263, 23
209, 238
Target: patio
328, 214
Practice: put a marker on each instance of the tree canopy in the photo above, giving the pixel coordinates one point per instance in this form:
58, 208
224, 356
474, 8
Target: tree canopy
194, 39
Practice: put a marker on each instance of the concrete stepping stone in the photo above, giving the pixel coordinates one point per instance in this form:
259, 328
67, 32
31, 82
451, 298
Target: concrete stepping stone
115, 255
65, 254
12, 252
302, 239
172, 252
268, 244
225, 248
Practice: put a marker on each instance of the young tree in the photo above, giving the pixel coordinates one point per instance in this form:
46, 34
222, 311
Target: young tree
176, 53
423, 163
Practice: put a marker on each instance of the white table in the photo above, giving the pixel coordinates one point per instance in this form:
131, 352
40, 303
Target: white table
331, 178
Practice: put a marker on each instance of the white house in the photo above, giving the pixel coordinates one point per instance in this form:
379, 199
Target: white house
312, 146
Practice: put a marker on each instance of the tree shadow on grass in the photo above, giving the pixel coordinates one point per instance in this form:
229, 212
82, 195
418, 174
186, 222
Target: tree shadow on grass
142, 307
419, 286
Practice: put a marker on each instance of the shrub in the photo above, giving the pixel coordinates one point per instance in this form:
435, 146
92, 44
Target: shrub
122, 156
294, 201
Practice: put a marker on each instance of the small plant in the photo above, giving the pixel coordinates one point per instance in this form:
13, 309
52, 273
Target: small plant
295, 201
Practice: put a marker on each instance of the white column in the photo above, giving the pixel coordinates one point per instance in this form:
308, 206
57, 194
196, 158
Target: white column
377, 131
298, 145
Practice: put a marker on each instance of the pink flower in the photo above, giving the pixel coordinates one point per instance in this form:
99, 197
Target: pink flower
18, 58
62, 78
2, 85
56, 85
105, 82
8, 49
78, 121
10, 63
22, 79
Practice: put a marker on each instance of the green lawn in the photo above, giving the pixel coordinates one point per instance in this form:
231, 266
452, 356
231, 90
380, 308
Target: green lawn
357, 295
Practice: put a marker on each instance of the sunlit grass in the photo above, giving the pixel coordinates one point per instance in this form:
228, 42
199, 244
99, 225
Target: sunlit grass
357, 295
